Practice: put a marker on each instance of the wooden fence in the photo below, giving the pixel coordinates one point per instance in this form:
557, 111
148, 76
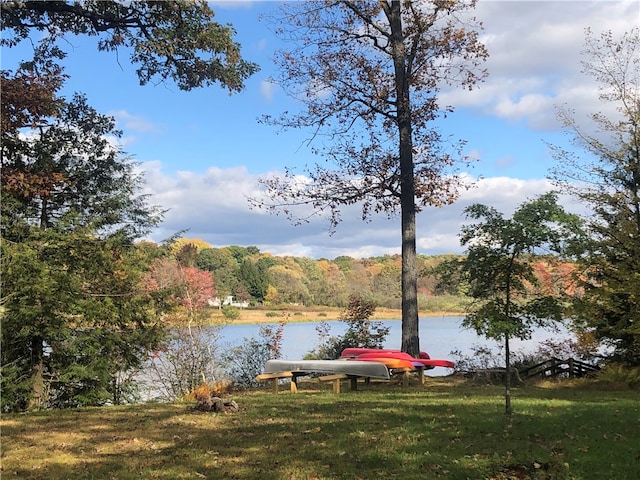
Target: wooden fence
557, 367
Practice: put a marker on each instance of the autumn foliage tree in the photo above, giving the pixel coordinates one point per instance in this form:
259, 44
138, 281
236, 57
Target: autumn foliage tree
189, 288
368, 75
188, 356
174, 40
75, 311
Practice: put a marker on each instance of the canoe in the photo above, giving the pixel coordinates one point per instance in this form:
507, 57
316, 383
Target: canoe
348, 367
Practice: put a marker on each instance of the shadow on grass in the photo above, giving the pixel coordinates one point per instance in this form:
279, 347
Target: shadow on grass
432, 431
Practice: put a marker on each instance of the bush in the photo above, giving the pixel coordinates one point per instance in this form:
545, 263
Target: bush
481, 358
620, 374
230, 312
247, 360
187, 359
329, 346
272, 314
361, 332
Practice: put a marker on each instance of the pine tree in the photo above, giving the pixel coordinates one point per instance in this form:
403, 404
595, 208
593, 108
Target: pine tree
604, 173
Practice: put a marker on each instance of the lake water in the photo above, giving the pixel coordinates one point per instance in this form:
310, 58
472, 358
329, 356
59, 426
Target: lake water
439, 336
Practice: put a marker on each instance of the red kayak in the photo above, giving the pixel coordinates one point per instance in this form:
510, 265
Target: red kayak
355, 351
375, 353
388, 361
437, 363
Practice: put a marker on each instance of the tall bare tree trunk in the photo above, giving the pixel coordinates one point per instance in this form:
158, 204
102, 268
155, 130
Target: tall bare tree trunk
507, 382
37, 373
507, 349
410, 338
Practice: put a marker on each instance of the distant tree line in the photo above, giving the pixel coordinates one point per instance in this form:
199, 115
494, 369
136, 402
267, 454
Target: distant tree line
260, 278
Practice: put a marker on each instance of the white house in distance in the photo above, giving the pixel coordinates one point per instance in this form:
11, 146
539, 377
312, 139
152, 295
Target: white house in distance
228, 300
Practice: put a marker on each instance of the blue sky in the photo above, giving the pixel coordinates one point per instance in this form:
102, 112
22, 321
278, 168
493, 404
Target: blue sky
203, 151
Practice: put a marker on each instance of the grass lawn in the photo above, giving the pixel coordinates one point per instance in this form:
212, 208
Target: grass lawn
445, 429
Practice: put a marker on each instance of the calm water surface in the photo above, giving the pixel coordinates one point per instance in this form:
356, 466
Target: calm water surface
439, 336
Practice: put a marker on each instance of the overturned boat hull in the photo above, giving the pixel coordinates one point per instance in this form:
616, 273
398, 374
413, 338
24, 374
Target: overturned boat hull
348, 367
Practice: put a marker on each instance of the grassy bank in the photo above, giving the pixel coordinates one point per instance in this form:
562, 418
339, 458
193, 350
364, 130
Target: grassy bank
308, 314
445, 429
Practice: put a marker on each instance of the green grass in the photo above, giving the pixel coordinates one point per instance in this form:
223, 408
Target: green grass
442, 430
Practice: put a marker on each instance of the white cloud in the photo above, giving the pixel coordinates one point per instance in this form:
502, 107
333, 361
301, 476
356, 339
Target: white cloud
534, 65
267, 89
535, 54
213, 206
133, 123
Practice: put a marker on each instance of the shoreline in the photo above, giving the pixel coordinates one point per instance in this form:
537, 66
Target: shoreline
308, 315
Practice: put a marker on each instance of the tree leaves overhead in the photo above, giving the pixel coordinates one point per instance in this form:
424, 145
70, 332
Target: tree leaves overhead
60, 164
339, 63
169, 40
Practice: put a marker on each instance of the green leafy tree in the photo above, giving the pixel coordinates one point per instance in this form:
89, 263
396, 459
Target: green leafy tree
604, 173
75, 322
221, 263
361, 331
288, 279
74, 313
239, 253
386, 285
499, 269
187, 255
170, 40
368, 74
253, 275
329, 286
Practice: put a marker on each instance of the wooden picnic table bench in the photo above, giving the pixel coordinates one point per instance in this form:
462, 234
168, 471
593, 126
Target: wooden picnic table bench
406, 371
335, 380
275, 377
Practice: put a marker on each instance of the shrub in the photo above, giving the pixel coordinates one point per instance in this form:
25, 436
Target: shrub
247, 360
187, 359
481, 358
620, 374
272, 314
361, 332
230, 312
219, 388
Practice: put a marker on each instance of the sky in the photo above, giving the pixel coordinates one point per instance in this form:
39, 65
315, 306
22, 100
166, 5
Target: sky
202, 152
